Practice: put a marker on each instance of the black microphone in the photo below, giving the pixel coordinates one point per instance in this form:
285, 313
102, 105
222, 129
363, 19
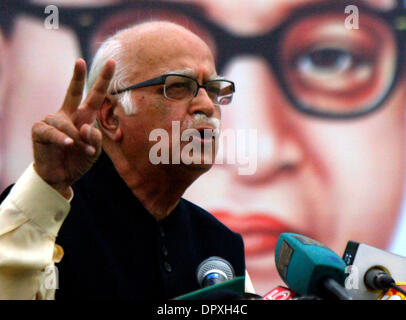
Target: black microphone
214, 270
378, 279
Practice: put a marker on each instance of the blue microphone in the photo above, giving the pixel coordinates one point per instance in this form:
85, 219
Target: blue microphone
309, 268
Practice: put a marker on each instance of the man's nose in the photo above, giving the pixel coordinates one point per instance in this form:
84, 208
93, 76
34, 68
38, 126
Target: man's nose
260, 104
202, 103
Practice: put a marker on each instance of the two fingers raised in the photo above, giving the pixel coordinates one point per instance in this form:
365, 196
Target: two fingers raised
73, 124
85, 112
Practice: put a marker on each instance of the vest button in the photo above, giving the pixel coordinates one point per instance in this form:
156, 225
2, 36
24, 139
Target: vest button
167, 266
58, 216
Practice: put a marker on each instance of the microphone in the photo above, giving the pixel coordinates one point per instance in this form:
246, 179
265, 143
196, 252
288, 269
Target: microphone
214, 270
309, 268
218, 282
375, 268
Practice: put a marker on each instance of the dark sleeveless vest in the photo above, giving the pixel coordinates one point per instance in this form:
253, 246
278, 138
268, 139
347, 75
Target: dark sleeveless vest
114, 249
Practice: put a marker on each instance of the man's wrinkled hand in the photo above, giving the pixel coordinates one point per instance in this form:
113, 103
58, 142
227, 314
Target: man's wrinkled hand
66, 144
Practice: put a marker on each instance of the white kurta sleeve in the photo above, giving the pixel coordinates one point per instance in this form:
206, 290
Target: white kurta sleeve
30, 219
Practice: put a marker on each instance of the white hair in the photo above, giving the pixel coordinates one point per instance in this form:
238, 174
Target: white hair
112, 48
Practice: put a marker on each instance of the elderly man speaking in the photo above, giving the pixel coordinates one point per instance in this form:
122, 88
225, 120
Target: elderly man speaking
126, 233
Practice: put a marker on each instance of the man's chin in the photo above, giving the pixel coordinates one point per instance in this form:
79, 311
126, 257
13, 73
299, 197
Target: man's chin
199, 166
200, 160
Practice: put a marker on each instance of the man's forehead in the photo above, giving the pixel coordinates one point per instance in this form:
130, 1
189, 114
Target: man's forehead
156, 36
157, 50
193, 73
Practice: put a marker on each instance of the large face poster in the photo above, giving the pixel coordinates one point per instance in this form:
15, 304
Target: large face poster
315, 139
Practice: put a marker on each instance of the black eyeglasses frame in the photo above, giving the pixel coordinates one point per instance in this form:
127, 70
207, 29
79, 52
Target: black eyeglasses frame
160, 80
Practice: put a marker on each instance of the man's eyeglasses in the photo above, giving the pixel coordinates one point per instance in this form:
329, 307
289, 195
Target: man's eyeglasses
323, 68
184, 88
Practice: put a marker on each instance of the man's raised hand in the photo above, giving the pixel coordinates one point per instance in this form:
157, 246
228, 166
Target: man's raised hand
65, 143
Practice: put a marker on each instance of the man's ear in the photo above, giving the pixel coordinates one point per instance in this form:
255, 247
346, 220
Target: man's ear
109, 122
